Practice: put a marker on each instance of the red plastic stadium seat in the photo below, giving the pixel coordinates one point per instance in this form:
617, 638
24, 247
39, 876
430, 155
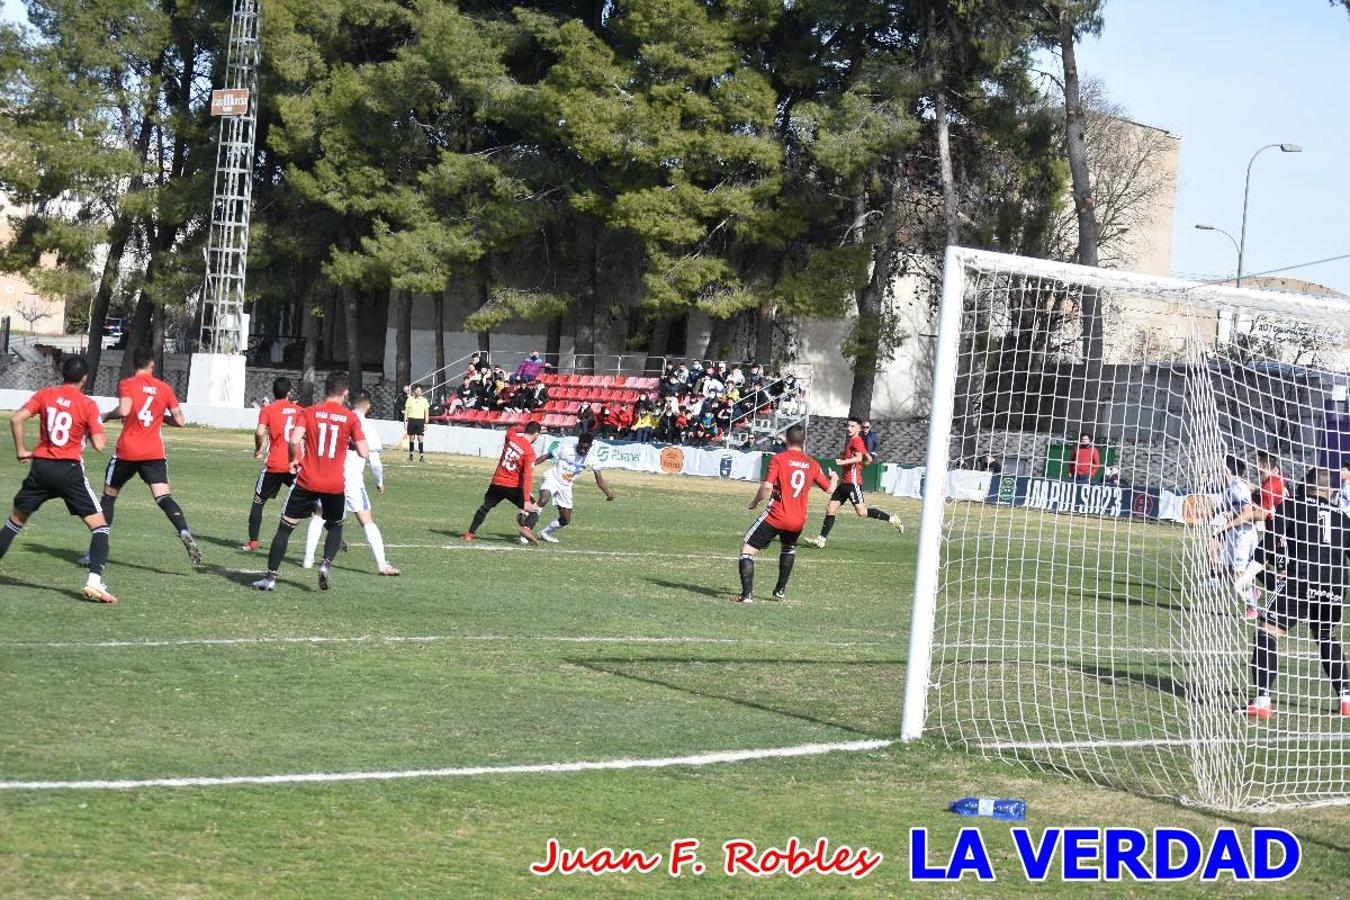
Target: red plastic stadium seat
549, 377
610, 380
568, 422
628, 396
555, 406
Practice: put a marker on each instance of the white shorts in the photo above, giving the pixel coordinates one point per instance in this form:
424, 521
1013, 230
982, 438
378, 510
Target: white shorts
1238, 549
561, 490
358, 499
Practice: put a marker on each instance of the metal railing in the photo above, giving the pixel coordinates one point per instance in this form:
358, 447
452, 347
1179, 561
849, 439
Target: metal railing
779, 420
628, 364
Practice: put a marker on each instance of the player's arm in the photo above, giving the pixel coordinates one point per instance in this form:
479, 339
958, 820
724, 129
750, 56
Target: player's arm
122, 410
176, 416
362, 448
16, 421
826, 483
259, 438
602, 484
546, 457
377, 469
1249, 513
851, 460
295, 447
765, 489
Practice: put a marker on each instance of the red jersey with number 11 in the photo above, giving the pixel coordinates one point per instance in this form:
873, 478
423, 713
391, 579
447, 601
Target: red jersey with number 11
141, 438
65, 415
329, 428
515, 468
792, 473
279, 417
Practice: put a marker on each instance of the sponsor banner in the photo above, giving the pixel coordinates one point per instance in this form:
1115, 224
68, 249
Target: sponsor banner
734, 465
1054, 495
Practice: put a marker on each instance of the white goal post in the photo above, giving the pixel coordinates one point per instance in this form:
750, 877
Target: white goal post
1112, 607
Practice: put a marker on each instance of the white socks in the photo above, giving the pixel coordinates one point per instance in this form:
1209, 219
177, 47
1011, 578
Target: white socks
373, 538
553, 526
95, 581
376, 541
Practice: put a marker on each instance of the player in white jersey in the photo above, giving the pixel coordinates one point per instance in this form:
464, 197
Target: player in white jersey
568, 463
358, 498
1236, 537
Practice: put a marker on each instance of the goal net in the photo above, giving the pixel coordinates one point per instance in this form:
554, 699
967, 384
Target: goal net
1074, 611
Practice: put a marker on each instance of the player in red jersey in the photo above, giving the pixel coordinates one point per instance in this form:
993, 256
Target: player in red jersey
318, 457
275, 421
512, 481
142, 401
855, 456
66, 417
791, 474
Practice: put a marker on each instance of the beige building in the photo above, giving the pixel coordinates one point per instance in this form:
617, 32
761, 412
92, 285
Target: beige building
28, 311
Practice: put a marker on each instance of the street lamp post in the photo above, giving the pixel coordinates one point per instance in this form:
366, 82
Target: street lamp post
1236, 248
1246, 193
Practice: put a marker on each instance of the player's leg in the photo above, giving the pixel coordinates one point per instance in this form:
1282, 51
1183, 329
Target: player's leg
265, 488
299, 505
545, 498
1325, 623
155, 473
831, 508
94, 588
364, 515
787, 557
1265, 664
526, 520
334, 509
871, 512
13, 525
312, 534
490, 501
756, 539
119, 471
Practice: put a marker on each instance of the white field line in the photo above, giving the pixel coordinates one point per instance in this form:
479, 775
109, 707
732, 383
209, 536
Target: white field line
1253, 739
700, 759
643, 554
420, 639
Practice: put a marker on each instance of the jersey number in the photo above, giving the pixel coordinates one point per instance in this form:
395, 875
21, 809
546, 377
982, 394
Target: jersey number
509, 459
290, 423
58, 426
1324, 517
798, 482
328, 435
145, 417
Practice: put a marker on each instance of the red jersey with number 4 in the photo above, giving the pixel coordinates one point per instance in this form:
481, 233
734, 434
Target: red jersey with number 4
792, 473
329, 428
854, 446
279, 417
515, 468
150, 397
65, 417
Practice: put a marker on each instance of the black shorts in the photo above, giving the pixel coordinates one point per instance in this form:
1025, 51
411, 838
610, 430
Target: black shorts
417, 427
1299, 601
120, 471
57, 479
848, 493
762, 533
269, 484
301, 504
496, 494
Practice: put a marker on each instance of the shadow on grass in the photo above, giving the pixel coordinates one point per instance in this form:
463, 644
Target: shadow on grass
72, 557
616, 667
697, 590
71, 593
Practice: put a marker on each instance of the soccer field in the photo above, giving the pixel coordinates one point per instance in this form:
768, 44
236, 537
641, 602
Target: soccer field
618, 644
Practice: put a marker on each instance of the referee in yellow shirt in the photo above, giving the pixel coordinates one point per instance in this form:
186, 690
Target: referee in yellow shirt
415, 421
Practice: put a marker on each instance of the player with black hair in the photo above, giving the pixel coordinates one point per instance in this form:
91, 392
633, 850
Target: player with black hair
1233, 546
318, 456
849, 489
1317, 537
512, 481
66, 418
142, 402
275, 421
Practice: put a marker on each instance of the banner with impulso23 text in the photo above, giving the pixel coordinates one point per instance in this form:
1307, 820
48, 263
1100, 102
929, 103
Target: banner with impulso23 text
1057, 496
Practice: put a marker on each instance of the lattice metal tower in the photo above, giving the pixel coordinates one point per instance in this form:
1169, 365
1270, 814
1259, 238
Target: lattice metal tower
227, 245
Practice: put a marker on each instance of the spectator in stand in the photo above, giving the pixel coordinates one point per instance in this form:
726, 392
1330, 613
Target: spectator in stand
871, 440
534, 396
529, 368
682, 373
989, 463
712, 385
1086, 460
478, 362
645, 425
722, 413
622, 420
585, 419
735, 377
756, 377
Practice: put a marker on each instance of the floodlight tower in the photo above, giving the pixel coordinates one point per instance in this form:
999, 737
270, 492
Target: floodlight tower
217, 376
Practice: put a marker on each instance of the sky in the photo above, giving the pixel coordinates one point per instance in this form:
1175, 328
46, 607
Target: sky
1229, 76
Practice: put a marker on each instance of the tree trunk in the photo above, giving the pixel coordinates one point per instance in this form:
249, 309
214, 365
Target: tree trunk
1073, 127
584, 346
764, 334
484, 298
718, 336
157, 338
351, 320
98, 310
657, 347
403, 340
867, 337
138, 333
944, 137
553, 342
438, 307
309, 330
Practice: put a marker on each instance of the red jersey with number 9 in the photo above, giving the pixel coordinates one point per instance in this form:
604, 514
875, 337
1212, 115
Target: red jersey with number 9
792, 473
329, 428
150, 397
279, 417
65, 416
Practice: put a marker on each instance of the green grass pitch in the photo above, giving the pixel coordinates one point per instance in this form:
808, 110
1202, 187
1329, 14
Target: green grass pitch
619, 643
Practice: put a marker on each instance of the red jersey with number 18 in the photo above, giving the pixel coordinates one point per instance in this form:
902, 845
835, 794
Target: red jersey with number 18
515, 468
141, 438
65, 416
279, 417
792, 473
329, 428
